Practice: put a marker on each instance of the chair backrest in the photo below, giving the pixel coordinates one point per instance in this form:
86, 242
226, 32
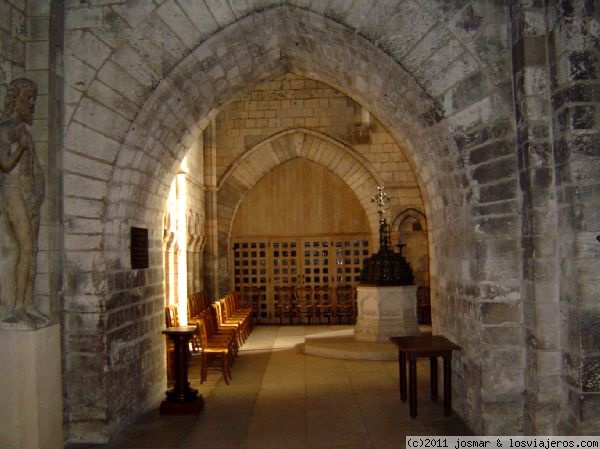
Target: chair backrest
344, 295
212, 315
228, 306
195, 304
202, 332
304, 294
219, 306
171, 316
284, 294
208, 324
193, 310
236, 299
322, 294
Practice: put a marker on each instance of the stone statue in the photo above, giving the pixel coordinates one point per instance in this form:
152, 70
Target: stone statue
21, 197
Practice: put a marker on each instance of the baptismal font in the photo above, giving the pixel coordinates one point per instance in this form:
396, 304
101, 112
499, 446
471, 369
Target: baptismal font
386, 296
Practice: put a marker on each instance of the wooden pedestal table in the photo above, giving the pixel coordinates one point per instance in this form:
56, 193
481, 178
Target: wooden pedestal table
432, 346
181, 399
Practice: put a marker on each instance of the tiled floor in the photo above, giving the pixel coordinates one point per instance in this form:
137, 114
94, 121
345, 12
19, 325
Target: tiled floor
281, 398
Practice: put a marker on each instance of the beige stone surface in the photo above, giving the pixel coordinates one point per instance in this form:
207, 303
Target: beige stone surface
385, 312
31, 391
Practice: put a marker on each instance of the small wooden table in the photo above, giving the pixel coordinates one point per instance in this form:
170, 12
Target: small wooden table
432, 346
181, 399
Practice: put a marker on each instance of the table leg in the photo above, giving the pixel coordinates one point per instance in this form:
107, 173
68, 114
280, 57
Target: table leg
448, 384
181, 399
181, 391
433, 376
402, 369
412, 386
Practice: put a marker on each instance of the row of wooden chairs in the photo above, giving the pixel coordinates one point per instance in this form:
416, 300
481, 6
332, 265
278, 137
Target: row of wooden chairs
197, 303
307, 304
222, 327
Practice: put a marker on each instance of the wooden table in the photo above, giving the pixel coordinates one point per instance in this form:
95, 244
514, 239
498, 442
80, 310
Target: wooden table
432, 346
181, 399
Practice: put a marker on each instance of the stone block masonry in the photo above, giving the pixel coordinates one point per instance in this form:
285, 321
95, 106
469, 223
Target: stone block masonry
483, 117
574, 76
293, 101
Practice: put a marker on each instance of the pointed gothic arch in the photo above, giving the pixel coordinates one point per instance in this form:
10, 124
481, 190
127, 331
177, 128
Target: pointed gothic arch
315, 146
137, 151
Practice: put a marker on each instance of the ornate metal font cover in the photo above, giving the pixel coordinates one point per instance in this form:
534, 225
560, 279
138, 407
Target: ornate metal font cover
386, 267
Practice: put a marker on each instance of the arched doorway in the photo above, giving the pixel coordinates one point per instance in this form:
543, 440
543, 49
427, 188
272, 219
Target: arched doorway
335, 160
410, 234
299, 226
145, 147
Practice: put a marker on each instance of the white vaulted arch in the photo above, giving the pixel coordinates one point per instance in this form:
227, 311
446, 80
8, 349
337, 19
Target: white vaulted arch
340, 159
133, 143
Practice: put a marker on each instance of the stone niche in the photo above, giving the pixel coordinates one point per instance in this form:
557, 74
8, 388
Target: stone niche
385, 311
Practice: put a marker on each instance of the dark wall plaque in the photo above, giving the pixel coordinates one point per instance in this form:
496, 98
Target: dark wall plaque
139, 248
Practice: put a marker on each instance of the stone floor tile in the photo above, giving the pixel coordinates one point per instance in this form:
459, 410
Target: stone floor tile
281, 399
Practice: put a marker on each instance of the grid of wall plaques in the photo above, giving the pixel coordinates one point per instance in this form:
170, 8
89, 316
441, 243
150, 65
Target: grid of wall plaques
250, 269
349, 256
284, 261
313, 261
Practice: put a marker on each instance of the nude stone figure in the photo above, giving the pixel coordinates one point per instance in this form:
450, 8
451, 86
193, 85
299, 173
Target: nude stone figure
21, 197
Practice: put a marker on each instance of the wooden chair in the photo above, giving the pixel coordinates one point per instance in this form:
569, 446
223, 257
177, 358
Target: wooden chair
323, 304
284, 302
235, 313
345, 300
228, 322
304, 304
195, 305
171, 316
213, 351
194, 309
236, 308
226, 333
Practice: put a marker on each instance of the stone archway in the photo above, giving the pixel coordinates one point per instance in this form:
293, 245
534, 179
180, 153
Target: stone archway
249, 168
290, 144
141, 135
409, 228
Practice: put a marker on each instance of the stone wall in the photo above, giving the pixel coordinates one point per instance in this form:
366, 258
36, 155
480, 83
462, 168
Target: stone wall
534, 151
13, 35
143, 80
293, 102
185, 216
196, 218
556, 68
143, 96
409, 228
574, 69
476, 291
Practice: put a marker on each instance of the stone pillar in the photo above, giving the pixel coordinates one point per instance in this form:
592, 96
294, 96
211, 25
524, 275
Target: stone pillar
385, 312
211, 252
539, 221
31, 389
574, 74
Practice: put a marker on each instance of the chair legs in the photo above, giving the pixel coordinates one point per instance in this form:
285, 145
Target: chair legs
223, 357
222, 329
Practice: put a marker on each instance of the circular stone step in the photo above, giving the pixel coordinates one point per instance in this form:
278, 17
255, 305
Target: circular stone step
342, 345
